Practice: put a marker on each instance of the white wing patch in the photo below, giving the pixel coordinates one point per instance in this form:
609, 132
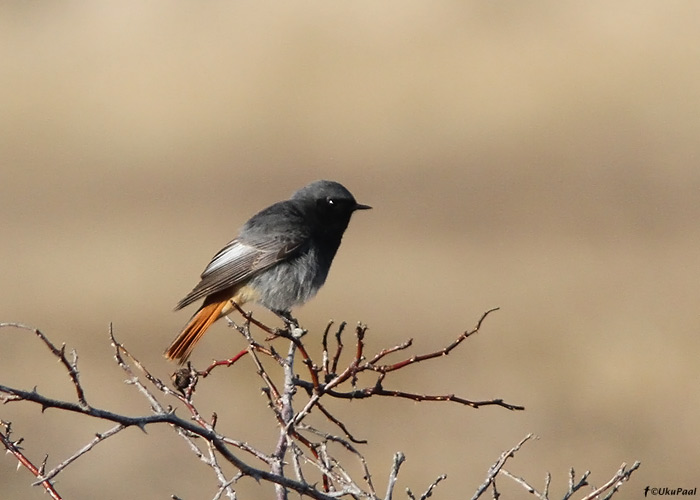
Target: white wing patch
230, 253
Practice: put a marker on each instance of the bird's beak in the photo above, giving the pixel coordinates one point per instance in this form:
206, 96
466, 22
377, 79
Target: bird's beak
360, 206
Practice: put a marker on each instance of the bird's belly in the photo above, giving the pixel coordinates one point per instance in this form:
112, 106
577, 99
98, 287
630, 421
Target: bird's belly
290, 283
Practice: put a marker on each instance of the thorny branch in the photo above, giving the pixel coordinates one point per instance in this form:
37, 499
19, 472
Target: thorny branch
14, 448
307, 449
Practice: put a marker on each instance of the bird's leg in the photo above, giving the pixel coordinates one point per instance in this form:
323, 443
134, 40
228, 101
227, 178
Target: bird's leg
287, 317
291, 323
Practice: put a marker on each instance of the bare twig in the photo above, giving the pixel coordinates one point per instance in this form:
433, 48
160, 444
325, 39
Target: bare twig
522, 482
496, 467
286, 415
14, 448
340, 424
429, 492
436, 354
379, 391
574, 485
71, 366
313, 369
82, 451
384, 352
325, 358
622, 475
339, 349
224, 484
225, 362
399, 458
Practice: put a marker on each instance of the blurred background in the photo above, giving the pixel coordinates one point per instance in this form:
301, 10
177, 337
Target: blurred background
541, 157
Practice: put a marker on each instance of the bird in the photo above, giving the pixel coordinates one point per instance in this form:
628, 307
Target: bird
279, 259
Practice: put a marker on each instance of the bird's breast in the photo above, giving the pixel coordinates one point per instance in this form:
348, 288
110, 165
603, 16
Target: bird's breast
293, 281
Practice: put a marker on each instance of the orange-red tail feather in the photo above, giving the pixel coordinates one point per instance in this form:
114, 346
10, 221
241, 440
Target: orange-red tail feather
182, 346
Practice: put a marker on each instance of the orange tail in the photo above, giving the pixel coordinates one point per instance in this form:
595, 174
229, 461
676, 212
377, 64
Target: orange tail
182, 346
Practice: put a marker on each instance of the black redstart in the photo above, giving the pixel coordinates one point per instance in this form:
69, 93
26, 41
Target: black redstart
280, 259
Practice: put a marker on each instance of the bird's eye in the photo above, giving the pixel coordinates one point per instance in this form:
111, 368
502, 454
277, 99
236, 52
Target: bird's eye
330, 205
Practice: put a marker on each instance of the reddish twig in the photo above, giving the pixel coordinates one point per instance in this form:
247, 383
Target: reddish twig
379, 391
274, 394
224, 362
390, 350
313, 369
340, 424
339, 349
13, 447
312, 448
436, 354
360, 330
324, 345
248, 316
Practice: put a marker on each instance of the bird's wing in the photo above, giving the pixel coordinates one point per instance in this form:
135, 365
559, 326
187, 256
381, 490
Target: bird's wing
239, 261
